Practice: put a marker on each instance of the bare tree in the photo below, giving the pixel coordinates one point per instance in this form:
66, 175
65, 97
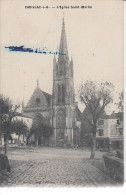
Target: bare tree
7, 112
120, 104
95, 96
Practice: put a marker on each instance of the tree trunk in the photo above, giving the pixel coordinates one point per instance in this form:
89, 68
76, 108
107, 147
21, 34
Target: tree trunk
93, 147
44, 141
48, 141
6, 145
36, 140
18, 140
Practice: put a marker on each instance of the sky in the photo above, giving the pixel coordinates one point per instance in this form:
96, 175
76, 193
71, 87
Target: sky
94, 39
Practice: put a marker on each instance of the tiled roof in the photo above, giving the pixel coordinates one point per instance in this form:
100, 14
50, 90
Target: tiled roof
44, 98
48, 96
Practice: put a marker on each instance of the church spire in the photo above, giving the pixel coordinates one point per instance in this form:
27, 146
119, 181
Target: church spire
37, 83
63, 41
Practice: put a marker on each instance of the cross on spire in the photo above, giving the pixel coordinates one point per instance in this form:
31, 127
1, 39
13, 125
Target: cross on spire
63, 14
63, 41
37, 82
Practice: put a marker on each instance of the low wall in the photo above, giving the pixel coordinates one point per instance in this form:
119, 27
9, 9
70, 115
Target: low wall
4, 162
114, 167
4, 165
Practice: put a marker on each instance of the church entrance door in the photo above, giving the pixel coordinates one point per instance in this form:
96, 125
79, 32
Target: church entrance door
41, 130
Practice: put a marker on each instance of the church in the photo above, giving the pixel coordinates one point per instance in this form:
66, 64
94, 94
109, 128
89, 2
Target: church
59, 109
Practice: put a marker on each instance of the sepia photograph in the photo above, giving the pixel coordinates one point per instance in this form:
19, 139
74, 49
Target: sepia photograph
61, 93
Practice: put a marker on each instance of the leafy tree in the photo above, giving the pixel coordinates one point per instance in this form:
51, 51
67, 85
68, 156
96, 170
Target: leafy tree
95, 96
41, 128
4, 105
19, 127
7, 112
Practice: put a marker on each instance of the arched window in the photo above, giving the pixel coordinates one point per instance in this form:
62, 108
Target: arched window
61, 119
61, 93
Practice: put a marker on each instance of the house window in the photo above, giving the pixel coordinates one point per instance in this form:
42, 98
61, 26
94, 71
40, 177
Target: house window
101, 133
61, 94
13, 141
101, 122
121, 131
118, 122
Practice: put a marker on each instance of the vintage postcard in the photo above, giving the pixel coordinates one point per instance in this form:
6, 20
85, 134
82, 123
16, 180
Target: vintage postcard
61, 93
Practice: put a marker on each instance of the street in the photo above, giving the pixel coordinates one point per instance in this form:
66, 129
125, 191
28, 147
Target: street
55, 167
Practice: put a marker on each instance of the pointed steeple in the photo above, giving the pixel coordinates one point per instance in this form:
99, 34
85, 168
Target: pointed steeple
71, 67
37, 83
63, 41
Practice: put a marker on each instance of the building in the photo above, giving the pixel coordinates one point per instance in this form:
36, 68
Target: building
110, 131
58, 109
86, 128
39, 108
14, 139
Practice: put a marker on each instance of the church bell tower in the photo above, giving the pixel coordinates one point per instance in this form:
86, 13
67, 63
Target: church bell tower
63, 103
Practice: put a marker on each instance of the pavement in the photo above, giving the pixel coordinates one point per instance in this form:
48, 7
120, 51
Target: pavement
54, 167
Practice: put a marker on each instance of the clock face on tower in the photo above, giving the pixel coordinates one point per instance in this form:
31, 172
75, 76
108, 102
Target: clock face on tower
38, 100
